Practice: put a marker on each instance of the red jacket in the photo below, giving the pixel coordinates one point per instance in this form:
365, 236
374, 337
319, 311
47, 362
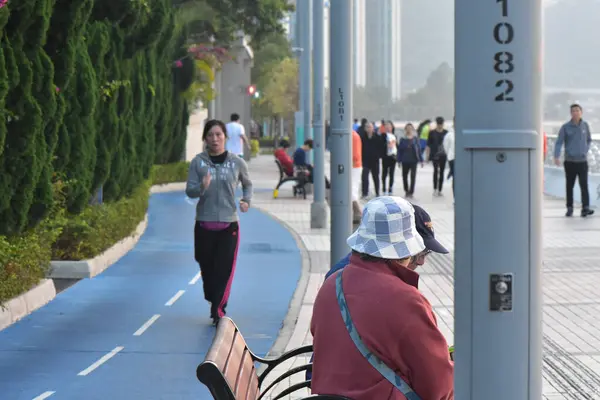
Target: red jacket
285, 160
395, 321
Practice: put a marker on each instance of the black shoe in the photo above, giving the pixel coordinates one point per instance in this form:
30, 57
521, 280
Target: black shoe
586, 211
569, 212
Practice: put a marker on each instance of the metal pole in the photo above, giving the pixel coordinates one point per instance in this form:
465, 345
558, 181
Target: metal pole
498, 331
305, 34
318, 209
340, 73
307, 67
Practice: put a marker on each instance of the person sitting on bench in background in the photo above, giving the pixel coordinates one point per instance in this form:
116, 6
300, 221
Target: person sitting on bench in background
284, 158
300, 160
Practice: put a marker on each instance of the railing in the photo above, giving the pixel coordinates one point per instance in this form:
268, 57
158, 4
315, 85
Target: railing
593, 155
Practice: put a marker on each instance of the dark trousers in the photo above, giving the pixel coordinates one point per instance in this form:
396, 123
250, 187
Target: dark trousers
310, 168
216, 252
409, 168
574, 171
451, 173
373, 169
389, 167
439, 166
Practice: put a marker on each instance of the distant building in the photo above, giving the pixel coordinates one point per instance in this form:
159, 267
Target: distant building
384, 46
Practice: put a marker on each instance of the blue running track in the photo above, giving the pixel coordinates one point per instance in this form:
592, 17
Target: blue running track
52, 349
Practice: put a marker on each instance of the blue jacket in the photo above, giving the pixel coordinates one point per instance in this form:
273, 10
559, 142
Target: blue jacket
406, 144
577, 140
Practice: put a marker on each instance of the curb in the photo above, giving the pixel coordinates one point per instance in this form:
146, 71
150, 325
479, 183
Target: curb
83, 269
40, 295
90, 268
27, 303
289, 323
168, 187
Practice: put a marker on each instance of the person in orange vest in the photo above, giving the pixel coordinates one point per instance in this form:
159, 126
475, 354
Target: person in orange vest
356, 175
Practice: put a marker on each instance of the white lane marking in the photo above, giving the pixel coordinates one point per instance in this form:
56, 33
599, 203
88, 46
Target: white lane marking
195, 279
101, 361
146, 325
44, 395
174, 298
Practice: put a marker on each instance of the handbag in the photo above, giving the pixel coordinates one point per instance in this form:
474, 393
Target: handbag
379, 365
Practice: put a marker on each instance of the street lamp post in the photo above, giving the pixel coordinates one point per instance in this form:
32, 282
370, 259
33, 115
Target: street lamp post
340, 91
318, 209
498, 331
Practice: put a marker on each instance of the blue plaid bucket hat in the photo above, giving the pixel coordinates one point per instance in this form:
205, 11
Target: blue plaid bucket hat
387, 230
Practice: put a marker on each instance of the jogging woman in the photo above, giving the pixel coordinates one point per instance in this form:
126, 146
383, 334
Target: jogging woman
213, 178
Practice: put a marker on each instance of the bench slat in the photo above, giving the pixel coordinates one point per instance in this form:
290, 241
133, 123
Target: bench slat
253, 385
243, 378
235, 361
221, 346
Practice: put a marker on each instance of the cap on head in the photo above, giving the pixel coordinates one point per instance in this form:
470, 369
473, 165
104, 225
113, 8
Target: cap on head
425, 229
387, 230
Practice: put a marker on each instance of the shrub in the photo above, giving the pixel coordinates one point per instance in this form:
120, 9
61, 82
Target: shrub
267, 142
97, 228
169, 173
24, 258
254, 147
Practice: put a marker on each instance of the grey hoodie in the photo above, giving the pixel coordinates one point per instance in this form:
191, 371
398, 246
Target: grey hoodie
217, 201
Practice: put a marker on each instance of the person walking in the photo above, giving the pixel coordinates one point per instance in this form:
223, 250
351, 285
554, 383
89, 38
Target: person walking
373, 148
437, 155
576, 137
213, 178
388, 161
409, 156
236, 136
356, 178
449, 148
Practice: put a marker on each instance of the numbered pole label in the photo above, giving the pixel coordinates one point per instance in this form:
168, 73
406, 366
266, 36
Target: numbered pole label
504, 60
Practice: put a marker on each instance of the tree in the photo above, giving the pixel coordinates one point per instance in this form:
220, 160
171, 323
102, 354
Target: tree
222, 19
269, 54
280, 95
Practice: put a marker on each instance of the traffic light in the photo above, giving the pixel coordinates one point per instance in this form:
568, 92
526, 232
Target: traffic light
251, 90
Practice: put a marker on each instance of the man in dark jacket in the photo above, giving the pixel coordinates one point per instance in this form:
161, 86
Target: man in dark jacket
373, 149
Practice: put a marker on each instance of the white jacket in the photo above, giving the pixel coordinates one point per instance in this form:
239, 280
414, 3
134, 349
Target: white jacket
449, 145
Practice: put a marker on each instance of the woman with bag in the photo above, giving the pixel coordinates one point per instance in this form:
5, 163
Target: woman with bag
409, 156
385, 344
388, 161
213, 178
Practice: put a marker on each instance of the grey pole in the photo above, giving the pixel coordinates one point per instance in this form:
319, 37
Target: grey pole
301, 18
318, 209
498, 331
305, 24
340, 90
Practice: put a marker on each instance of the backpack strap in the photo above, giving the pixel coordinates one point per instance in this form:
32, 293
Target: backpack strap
383, 369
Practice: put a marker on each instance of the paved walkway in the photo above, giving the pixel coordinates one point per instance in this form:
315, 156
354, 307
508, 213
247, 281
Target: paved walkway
140, 329
571, 278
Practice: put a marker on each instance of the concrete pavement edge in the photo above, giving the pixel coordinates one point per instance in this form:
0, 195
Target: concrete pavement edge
289, 323
26, 303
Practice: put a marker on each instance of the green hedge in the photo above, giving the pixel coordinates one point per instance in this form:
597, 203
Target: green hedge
169, 173
88, 91
24, 258
97, 228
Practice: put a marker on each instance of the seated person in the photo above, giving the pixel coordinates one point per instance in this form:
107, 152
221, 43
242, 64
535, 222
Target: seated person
284, 158
387, 326
300, 156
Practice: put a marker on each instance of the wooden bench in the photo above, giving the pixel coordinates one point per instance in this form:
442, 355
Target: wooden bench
229, 370
300, 180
